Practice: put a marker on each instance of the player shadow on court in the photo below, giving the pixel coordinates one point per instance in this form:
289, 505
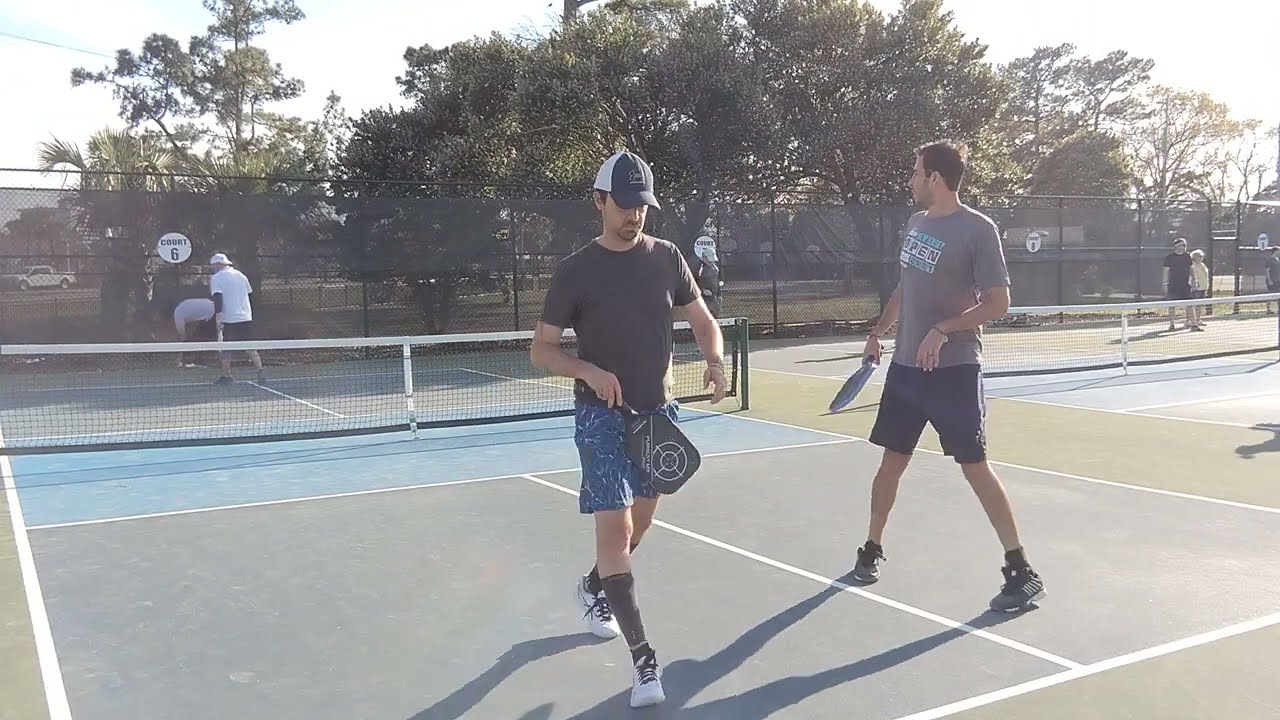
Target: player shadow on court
465, 698
1248, 452
834, 358
684, 679
851, 409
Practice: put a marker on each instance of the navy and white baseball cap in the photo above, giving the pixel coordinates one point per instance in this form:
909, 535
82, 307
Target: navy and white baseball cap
627, 178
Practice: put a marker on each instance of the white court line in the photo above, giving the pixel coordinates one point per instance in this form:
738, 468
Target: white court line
1197, 401
799, 374
55, 693
1050, 403
1128, 413
1093, 669
267, 503
397, 488
519, 380
902, 607
290, 397
1055, 473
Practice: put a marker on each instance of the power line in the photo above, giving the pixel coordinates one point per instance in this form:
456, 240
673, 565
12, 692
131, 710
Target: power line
53, 44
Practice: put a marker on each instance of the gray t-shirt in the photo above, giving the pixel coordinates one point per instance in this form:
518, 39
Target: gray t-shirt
946, 262
1273, 271
620, 305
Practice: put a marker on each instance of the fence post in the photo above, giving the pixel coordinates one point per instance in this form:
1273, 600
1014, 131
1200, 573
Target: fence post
1142, 234
1235, 253
364, 285
773, 258
882, 252
744, 363
515, 272
1062, 256
1212, 243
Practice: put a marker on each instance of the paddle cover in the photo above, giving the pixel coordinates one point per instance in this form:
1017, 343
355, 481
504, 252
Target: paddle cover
661, 451
853, 385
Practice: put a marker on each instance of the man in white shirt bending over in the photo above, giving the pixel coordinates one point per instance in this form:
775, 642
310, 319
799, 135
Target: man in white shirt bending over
193, 319
231, 290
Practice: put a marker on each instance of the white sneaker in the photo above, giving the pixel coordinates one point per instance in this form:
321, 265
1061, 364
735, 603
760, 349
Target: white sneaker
646, 682
596, 611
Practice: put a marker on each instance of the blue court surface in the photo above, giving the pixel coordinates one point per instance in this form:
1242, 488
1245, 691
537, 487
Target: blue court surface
433, 578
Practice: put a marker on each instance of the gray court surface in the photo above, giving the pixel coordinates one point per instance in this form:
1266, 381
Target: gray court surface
457, 601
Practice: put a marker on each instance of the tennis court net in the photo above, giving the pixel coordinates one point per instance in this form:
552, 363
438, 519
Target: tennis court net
115, 396
1068, 338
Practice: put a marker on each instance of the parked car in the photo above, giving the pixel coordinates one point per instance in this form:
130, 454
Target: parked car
37, 276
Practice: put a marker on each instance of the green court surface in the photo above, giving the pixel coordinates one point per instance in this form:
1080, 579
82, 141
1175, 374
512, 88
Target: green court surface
1223, 679
1228, 678
1232, 678
20, 695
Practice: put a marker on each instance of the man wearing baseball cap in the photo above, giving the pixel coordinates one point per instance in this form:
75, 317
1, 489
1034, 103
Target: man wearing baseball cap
233, 309
618, 293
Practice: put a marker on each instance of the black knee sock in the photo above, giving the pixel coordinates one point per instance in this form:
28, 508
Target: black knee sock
620, 591
593, 577
1016, 559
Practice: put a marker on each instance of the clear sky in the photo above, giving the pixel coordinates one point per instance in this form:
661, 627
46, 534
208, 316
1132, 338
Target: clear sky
1229, 48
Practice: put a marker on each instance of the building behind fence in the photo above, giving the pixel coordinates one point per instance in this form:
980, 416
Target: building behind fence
81, 266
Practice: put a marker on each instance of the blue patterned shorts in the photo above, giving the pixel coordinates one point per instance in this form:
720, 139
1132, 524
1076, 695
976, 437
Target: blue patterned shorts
609, 479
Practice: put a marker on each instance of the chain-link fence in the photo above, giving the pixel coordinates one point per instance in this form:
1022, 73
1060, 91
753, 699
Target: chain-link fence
383, 259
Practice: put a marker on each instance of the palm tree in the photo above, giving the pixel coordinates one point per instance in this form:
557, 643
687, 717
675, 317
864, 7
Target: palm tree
116, 160
116, 210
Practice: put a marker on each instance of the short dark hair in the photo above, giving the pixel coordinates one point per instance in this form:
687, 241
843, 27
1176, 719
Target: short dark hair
947, 158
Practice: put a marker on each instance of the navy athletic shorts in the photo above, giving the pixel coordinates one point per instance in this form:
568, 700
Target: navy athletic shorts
949, 398
609, 479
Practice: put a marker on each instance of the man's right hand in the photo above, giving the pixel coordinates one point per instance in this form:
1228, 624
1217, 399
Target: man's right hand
606, 386
872, 348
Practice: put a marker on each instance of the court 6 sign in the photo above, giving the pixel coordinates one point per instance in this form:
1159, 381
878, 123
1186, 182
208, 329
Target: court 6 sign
174, 247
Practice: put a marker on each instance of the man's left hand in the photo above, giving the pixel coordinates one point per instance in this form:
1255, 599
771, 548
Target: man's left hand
930, 349
714, 375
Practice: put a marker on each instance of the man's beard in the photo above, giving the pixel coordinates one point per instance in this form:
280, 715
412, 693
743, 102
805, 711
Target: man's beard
627, 232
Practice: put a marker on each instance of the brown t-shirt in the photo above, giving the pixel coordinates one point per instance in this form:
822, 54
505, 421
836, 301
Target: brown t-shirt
619, 305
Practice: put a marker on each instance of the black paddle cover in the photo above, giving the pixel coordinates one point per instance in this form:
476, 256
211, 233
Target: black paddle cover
660, 450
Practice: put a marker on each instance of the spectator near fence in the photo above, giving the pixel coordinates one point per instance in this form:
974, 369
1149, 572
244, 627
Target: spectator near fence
193, 321
1177, 280
707, 272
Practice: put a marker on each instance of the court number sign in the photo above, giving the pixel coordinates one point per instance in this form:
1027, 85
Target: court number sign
1264, 242
1034, 241
704, 245
174, 247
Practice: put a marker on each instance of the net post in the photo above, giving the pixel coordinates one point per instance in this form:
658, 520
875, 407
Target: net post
407, 354
1124, 340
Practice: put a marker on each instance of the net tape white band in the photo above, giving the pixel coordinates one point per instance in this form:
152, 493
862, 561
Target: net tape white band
314, 344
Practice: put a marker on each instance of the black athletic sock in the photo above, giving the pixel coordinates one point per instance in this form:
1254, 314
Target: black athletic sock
593, 577
872, 546
1016, 559
640, 651
620, 591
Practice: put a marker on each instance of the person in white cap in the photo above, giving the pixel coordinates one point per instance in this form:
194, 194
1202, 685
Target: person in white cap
233, 308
